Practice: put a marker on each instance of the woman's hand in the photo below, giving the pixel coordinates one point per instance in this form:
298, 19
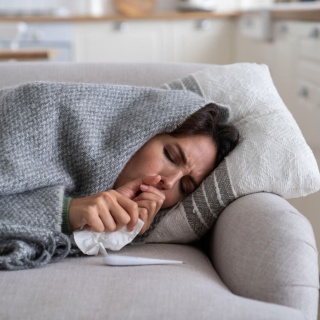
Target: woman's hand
149, 202
105, 211
113, 209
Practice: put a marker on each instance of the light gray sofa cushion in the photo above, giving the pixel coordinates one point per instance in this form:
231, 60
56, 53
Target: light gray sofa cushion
84, 288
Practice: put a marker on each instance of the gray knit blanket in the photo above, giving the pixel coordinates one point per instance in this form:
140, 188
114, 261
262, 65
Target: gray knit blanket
69, 140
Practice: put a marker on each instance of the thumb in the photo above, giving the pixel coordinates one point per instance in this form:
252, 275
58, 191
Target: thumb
131, 188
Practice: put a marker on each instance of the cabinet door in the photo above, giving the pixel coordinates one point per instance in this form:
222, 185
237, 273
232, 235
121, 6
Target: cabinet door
249, 49
131, 41
309, 41
306, 95
284, 64
205, 41
294, 61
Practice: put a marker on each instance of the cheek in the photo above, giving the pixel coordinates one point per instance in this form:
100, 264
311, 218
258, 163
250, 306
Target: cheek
172, 198
150, 164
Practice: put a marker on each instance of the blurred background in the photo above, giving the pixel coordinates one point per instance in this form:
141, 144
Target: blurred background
285, 35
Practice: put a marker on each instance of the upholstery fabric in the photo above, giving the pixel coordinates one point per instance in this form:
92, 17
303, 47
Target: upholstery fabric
84, 288
272, 155
263, 248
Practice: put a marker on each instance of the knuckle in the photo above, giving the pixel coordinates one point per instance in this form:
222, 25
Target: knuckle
107, 196
134, 206
111, 228
99, 201
91, 213
143, 214
124, 219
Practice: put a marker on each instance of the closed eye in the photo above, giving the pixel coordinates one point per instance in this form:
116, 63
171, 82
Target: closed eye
186, 186
168, 155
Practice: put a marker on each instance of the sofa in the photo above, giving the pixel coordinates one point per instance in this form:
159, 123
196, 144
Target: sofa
259, 261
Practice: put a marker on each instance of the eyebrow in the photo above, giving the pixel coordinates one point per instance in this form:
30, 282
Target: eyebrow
184, 161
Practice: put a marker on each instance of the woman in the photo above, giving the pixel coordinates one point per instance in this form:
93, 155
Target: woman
103, 155
160, 174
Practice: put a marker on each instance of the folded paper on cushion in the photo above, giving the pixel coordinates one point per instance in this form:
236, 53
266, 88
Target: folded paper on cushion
272, 155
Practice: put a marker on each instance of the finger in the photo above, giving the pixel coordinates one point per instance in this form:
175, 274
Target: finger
131, 208
149, 196
120, 217
154, 201
151, 189
113, 208
143, 215
150, 205
93, 220
148, 214
151, 180
130, 189
145, 227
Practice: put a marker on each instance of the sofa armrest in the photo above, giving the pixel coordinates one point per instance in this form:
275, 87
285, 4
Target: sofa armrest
264, 249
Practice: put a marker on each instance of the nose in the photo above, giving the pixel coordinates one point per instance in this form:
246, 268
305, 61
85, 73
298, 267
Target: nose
169, 180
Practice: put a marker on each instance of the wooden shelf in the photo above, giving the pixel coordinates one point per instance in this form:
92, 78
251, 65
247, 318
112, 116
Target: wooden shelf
23, 55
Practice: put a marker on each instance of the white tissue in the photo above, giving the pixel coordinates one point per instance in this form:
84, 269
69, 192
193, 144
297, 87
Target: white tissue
89, 242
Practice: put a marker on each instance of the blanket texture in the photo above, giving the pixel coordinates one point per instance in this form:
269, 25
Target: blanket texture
69, 140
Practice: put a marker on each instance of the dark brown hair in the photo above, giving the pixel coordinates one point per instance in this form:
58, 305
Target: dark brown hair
211, 121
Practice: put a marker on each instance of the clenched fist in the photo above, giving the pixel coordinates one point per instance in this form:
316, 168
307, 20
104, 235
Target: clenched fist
113, 209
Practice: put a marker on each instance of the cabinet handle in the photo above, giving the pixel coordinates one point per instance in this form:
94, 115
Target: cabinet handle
284, 29
121, 26
204, 24
249, 22
303, 92
315, 33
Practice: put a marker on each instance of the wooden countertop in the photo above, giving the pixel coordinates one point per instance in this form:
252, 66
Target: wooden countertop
305, 14
119, 17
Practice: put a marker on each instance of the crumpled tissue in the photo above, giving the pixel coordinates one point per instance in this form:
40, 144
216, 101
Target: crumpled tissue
89, 242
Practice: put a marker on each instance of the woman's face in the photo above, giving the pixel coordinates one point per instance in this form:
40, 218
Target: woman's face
182, 163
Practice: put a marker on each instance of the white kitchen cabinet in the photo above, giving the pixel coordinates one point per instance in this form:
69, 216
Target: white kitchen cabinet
301, 92
249, 48
205, 41
293, 56
284, 47
119, 42
202, 41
